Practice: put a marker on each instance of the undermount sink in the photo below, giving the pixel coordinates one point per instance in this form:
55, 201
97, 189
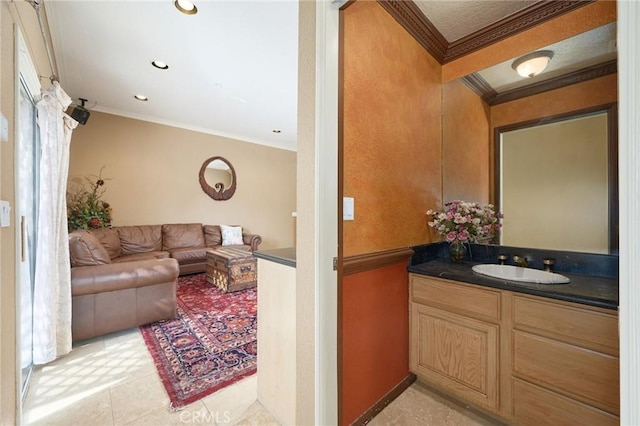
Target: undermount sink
520, 274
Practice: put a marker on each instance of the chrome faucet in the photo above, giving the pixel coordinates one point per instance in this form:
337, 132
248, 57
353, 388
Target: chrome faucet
520, 261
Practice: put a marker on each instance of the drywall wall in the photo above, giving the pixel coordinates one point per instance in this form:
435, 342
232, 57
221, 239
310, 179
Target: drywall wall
465, 144
151, 177
555, 186
391, 132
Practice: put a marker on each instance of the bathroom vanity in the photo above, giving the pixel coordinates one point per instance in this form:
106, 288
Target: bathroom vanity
528, 353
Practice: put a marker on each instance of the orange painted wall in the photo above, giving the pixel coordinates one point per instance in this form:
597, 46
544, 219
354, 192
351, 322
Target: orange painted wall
567, 25
392, 132
598, 91
465, 144
375, 337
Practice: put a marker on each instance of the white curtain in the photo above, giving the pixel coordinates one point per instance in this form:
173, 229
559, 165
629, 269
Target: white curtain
52, 291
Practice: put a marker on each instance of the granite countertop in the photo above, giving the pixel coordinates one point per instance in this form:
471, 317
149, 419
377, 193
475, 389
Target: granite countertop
283, 256
585, 289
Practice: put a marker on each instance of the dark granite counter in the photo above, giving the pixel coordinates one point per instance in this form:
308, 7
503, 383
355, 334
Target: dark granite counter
283, 256
585, 289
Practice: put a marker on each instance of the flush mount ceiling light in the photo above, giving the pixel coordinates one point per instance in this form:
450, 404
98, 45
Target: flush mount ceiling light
160, 65
186, 7
142, 98
532, 64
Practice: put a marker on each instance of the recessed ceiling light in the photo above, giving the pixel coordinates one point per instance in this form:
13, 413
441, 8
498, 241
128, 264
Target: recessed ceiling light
186, 7
142, 98
160, 65
277, 131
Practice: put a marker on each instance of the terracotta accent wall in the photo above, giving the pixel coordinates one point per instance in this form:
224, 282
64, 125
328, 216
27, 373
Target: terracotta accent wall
392, 132
465, 144
375, 337
153, 177
568, 25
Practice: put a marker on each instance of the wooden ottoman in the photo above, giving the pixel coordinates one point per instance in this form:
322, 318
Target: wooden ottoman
232, 269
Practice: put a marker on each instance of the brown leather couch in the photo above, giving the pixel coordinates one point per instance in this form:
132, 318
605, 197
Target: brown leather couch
122, 277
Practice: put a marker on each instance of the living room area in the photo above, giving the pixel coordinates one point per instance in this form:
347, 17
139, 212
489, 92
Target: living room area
149, 169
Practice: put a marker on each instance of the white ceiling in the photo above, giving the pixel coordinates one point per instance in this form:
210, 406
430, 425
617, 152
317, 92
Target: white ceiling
232, 66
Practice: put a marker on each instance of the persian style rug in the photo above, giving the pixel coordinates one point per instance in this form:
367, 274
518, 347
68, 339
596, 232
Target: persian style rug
211, 344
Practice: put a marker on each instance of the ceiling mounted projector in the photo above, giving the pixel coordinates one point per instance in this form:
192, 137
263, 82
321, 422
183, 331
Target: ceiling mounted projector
80, 113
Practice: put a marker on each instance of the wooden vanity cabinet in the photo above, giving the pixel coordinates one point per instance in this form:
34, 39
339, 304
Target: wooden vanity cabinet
454, 338
565, 363
528, 359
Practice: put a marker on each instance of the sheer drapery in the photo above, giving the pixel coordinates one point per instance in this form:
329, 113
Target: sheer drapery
52, 291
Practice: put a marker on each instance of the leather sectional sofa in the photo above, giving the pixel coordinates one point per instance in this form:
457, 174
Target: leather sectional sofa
122, 277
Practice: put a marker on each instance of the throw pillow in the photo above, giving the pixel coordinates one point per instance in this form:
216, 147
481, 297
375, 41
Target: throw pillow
231, 235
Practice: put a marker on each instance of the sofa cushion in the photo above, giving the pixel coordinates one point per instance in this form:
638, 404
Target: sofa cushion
142, 256
212, 235
190, 255
140, 239
86, 250
182, 235
109, 239
231, 235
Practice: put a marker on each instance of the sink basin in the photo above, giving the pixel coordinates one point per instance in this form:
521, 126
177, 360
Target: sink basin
520, 274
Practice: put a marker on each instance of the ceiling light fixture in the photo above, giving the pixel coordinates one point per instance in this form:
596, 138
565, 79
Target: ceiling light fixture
533, 63
186, 7
160, 65
142, 98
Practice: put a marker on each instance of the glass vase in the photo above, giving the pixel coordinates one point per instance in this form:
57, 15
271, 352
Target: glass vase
457, 251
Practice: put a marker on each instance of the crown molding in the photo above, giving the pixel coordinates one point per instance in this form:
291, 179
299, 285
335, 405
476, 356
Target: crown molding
480, 86
416, 23
525, 19
413, 20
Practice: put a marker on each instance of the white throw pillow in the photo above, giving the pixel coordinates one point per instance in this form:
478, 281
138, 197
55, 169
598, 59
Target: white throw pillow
231, 235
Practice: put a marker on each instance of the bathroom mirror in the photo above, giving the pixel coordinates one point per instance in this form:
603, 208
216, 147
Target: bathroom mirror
218, 178
556, 181
579, 59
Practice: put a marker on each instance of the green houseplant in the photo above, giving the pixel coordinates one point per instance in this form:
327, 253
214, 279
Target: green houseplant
85, 207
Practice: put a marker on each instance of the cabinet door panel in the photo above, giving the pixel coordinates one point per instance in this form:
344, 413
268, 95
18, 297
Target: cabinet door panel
455, 352
584, 374
534, 405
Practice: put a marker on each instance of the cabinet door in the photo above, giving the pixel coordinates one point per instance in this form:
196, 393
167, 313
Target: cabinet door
457, 353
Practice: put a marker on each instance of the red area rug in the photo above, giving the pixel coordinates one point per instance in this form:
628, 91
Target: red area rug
211, 344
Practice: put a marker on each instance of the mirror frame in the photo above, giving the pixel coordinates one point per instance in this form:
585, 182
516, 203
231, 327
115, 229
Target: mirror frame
218, 191
612, 163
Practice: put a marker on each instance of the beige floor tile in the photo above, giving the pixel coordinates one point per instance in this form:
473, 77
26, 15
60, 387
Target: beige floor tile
195, 414
420, 405
257, 415
94, 410
232, 401
137, 398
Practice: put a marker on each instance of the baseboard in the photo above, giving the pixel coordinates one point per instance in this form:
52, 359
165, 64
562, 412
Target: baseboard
368, 415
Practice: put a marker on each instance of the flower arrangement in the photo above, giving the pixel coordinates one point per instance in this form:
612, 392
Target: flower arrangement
466, 222
85, 208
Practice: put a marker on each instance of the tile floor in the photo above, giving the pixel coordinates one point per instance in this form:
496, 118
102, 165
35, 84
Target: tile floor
112, 381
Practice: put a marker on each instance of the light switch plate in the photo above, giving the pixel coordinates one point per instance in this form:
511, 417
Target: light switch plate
347, 208
5, 214
4, 128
